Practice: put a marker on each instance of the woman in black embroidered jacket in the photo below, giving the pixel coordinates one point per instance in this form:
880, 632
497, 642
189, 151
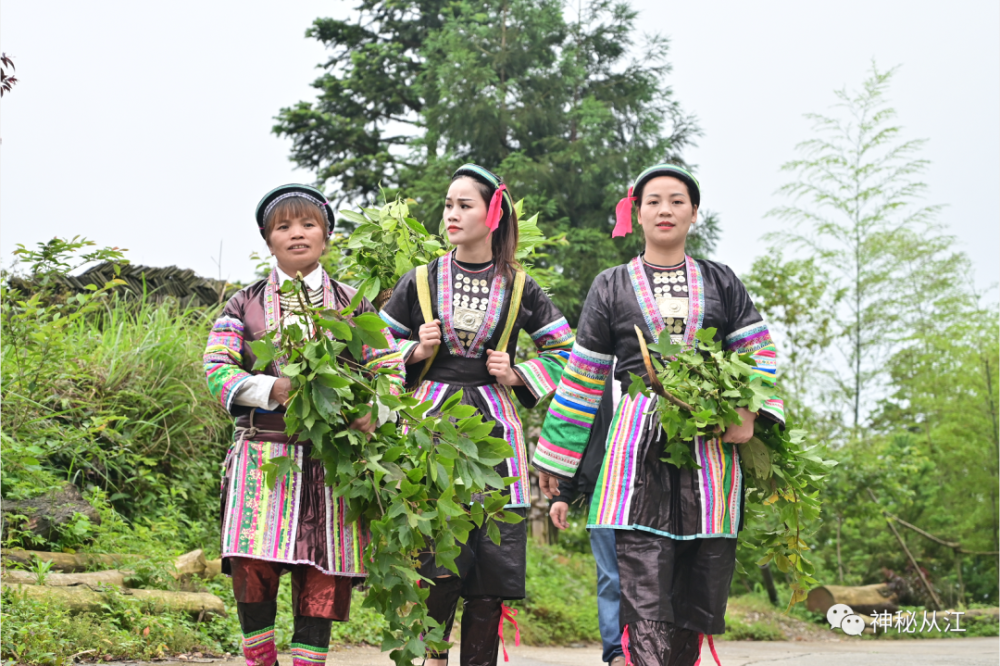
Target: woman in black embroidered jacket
472, 289
675, 528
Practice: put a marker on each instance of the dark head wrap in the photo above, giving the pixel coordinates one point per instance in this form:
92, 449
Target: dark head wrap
306, 192
501, 203
623, 212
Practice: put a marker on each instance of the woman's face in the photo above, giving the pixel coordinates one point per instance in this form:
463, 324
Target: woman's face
297, 244
666, 212
465, 213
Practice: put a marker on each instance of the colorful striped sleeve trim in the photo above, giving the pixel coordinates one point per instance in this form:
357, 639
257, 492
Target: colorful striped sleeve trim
571, 414
225, 342
756, 341
223, 360
398, 330
406, 348
554, 343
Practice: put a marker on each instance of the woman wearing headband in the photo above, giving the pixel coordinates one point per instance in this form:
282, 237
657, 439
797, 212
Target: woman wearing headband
676, 528
297, 525
476, 300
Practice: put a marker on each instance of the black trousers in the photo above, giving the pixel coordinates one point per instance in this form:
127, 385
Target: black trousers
488, 574
672, 591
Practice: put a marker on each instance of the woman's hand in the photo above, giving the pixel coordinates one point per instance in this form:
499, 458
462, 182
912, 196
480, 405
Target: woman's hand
430, 337
558, 513
280, 390
741, 434
365, 424
498, 365
548, 484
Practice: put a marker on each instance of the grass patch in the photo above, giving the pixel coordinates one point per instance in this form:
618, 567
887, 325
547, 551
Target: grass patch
561, 603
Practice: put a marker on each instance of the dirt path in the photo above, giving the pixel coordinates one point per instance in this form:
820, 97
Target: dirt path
855, 652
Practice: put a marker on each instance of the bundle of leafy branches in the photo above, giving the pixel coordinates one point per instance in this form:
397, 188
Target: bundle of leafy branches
701, 389
418, 485
387, 243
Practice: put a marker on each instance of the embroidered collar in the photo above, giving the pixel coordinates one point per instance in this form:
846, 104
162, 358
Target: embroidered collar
444, 306
650, 310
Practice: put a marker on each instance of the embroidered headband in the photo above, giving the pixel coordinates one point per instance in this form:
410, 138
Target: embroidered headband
623, 211
501, 203
292, 190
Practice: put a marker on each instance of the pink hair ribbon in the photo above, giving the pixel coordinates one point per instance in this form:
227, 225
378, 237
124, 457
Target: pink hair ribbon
508, 613
495, 211
623, 216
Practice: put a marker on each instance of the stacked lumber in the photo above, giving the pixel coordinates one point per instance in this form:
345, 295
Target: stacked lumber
83, 591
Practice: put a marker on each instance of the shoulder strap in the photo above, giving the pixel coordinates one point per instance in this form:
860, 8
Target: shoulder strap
424, 296
515, 307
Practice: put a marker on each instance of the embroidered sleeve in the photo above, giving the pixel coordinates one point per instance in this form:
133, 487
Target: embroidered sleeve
578, 395
389, 358
396, 315
553, 340
751, 336
223, 356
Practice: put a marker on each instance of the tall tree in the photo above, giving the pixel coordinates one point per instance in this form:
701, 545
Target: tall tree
857, 212
556, 104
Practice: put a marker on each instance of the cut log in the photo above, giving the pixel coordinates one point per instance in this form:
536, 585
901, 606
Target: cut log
66, 562
93, 579
81, 599
190, 564
213, 568
863, 599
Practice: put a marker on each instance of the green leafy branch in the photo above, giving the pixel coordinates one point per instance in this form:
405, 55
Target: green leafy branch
702, 389
420, 484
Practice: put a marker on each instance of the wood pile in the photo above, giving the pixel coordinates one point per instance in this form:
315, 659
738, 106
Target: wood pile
84, 591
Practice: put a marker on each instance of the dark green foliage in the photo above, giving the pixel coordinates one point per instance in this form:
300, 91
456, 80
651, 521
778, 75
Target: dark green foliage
568, 109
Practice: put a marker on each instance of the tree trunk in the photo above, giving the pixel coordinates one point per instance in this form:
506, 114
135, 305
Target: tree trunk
772, 592
840, 562
80, 599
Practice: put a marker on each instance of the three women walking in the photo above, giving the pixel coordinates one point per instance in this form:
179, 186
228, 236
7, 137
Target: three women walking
453, 326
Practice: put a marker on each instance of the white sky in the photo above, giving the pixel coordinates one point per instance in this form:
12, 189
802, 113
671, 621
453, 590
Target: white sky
147, 125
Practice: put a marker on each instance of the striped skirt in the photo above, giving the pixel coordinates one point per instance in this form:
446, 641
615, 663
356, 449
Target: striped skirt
296, 522
637, 490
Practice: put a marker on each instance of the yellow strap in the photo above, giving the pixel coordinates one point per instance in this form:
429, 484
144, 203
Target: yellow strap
515, 307
424, 296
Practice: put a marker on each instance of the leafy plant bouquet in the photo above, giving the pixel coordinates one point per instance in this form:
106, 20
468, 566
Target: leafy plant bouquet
387, 243
412, 483
701, 390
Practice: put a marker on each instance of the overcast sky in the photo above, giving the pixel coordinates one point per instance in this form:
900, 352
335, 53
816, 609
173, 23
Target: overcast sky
147, 125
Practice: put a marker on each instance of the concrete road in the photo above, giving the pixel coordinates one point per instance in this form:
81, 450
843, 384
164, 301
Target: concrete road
852, 652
